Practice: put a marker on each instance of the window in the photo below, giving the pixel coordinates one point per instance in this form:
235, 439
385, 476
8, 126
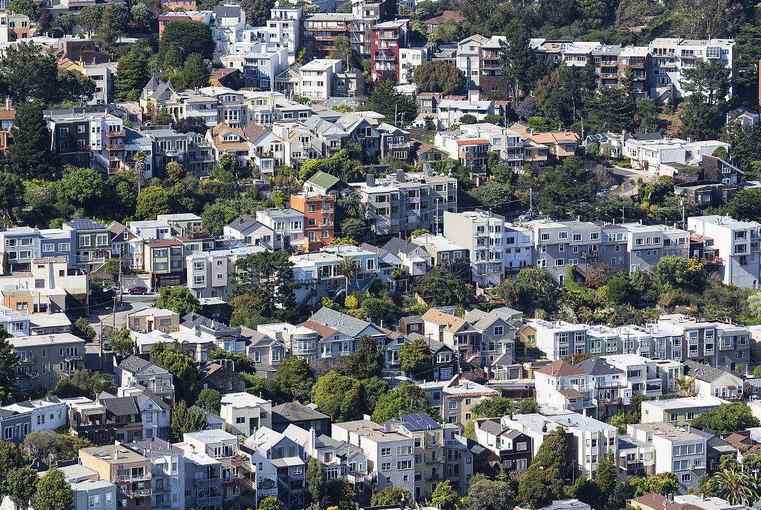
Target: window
386, 466
85, 241
499, 330
385, 452
521, 446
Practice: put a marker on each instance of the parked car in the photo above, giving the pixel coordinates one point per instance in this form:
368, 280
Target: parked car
139, 291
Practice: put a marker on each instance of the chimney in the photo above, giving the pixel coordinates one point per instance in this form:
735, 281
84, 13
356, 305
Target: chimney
370, 180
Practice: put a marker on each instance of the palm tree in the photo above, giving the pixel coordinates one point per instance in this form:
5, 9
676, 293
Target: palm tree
349, 269
686, 385
732, 484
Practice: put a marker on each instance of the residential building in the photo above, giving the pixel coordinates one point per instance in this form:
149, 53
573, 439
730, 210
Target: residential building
591, 440
557, 339
450, 112
672, 56
678, 411
245, 413
14, 323
167, 473
152, 318
506, 448
676, 450
45, 359
14, 425
287, 456
733, 245
91, 242
299, 415
267, 353
88, 490
287, 226
410, 58
458, 398
317, 78
134, 371
708, 381
248, 230
209, 273
45, 415
390, 455
319, 218
479, 59
661, 156
125, 468
441, 251
386, 40
719, 345
322, 29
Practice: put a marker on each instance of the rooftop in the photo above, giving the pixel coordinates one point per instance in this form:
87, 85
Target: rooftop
113, 454
43, 340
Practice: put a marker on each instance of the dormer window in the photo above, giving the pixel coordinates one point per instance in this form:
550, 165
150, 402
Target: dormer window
231, 138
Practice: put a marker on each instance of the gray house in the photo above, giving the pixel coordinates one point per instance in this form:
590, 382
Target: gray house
45, 359
14, 426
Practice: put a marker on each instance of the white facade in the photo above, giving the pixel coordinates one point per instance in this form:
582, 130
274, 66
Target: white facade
46, 415
672, 56
655, 156
245, 413
735, 244
315, 78
409, 60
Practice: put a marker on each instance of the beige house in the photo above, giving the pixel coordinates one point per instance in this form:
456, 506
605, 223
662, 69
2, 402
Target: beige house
150, 319
128, 470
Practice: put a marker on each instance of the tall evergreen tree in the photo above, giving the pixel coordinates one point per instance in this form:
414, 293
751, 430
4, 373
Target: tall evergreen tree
133, 72
8, 364
30, 155
517, 57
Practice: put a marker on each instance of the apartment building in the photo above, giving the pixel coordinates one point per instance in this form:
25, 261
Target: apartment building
319, 218
287, 226
449, 112
556, 339
134, 371
719, 345
284, 28
322, 29
247, 229
591, 440
45, 415
403, 201
14, 323
245, 413
212, 469
505, 448
458, 398
672, 56
438, 455
299, 415
128, 470
495, 247
316, 79
386, 40
45, 359
88, 490
167, 473
614, 63
675, 450
507, 143
557, 244
708, 381
411, 58
454, 332
287, 457
479, 59
663, 156
149, 319
677, 411
390, 455
441, 251
732, 244
316, 275
209, 273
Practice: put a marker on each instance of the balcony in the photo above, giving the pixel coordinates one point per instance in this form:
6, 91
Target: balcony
141, 492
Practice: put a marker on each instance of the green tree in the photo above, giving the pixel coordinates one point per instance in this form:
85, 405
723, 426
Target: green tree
546, 477
339, 396
53, 493
745, 205
496, 195
733, 484
700, 120
186, 419
385, 100
560, 95
89, 18
83, 383
441, 288
268, 278
122, 343
26, 7
611, 109
415, 359
663, 484
315, 480
209, 400
294, 379
151, 202
216, 215
11, 457
83, 329
390, 496
444, 497
686, 274
194, 74
8, 363
404, 399
182, 39
28, 74
257, 11
11, 197
485, 494
142, 16
132, 71
21, 486
606, 479
439, 76
746, 54
726, 418
365, 362
533, 289
517, 58
178, 299
180, 365
83, 188
708, 80
30, 155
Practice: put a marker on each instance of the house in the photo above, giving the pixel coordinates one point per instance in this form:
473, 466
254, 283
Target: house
45, 359
413, 258
677, 410
134, 371
346, 324
458, 398
714, 382
455, 333
299, 415
441, 251
152, 318
288, 458
250, 231
287, 226
505, 448
319, 218
322, 183
111, 462
87, 487
245, 413
167, 472
267, 353
478, 58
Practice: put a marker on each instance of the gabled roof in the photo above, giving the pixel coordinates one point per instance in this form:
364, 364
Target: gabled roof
341, 322
451, 322
707, 373
417, 422
598, 366
137, 365
321, 329
560, 368
295, 411
323, 180
120, 406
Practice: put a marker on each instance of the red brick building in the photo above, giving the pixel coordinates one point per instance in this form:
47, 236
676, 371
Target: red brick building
319, 217
385, 40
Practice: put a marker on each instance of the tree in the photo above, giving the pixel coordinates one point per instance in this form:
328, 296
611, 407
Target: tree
83, 383
268, 278
533, 289
733, 484
26, 7
30, 155
708, 80
11, 457
294, 379
517, 57
343, 50
28, 74
122, 343
21, 486
209, 400
194, 74
257, 11
726, 418
11, 196
404, 399
495, 195
439, 76
545, 478
49, 448
185, 420
560, 95
485, 494
315, 480
444, 497
390, 496
83, 329
611, 109
339, 396
132, 71
681, 273
700, 120
663, 484
415, 359
8, 363
182, 39
89, 18
53, 493
441, 288
385, 100
745, 205
180, 365
178, 299
142, 16
83, 188
606, 481
746, 54
366, 361
151, 202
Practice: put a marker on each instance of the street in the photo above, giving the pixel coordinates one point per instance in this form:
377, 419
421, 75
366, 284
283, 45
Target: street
130, 304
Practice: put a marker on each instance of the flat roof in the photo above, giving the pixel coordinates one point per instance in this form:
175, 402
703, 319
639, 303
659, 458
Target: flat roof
685, 402
21, 342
